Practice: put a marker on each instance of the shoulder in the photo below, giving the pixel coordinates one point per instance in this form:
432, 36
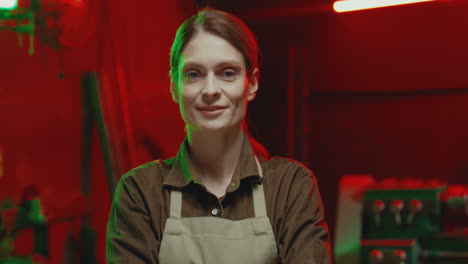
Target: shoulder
285, 175
146, 176
149, 171
285, 167
289, 184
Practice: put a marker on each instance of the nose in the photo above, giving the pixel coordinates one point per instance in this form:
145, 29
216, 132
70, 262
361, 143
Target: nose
211, 90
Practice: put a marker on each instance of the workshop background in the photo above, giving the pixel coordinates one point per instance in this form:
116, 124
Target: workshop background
382, 92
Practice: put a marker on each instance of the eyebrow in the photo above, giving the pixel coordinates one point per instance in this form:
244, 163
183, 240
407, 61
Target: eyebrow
193, 64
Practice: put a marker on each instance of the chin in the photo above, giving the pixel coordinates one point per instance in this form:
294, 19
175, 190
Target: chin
213, 127
216, 126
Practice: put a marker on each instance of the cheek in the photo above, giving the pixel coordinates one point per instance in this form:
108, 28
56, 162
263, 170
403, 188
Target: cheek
185, 108
238, 93
186, 100
188, 95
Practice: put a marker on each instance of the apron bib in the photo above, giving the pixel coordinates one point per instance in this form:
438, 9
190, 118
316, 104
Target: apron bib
213, 240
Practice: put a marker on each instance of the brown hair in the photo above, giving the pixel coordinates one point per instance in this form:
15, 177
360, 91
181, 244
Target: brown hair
221, 24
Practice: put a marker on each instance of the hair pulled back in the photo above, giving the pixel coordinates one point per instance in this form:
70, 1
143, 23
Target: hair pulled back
218, 23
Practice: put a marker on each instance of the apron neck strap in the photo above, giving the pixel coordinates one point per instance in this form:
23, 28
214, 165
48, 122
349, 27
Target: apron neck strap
258, 194
176, 204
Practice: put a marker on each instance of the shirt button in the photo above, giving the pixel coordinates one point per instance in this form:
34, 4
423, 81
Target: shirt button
215, 211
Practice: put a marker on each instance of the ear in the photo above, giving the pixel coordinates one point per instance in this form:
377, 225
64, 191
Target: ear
175, 95
252, 85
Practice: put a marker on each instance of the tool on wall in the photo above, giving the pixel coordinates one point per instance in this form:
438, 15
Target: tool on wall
92, 116
23, 229
60, 24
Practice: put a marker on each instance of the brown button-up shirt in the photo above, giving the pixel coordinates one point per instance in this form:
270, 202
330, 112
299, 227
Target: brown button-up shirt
142, 200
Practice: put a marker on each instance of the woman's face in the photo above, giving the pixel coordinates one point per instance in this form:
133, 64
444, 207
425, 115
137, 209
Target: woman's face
213, 88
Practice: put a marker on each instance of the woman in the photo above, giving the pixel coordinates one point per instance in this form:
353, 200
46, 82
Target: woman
221, 199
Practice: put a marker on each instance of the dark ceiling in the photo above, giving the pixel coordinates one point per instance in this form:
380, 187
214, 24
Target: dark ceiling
269, 9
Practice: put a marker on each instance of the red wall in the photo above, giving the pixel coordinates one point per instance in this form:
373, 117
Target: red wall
388, 89
391, 95
411, 47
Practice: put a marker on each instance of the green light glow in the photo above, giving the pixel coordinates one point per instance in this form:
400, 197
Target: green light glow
8, 4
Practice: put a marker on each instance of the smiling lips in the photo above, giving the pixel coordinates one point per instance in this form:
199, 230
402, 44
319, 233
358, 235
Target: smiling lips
211, 111
211, 108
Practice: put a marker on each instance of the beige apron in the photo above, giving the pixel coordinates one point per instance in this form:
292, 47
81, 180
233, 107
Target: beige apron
213, 240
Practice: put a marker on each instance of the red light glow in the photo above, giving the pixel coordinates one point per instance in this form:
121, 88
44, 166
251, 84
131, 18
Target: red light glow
354, 5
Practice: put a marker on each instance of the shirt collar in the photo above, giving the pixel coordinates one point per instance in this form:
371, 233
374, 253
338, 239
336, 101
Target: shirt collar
183, 172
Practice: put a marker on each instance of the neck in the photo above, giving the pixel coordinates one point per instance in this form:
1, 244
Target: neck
215, 154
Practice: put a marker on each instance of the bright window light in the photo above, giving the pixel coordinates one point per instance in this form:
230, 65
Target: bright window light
353, 5
8, 4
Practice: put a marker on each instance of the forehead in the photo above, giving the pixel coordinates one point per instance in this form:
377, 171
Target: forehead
210, 50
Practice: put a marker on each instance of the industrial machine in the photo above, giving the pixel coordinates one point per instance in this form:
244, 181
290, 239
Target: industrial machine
401, 221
